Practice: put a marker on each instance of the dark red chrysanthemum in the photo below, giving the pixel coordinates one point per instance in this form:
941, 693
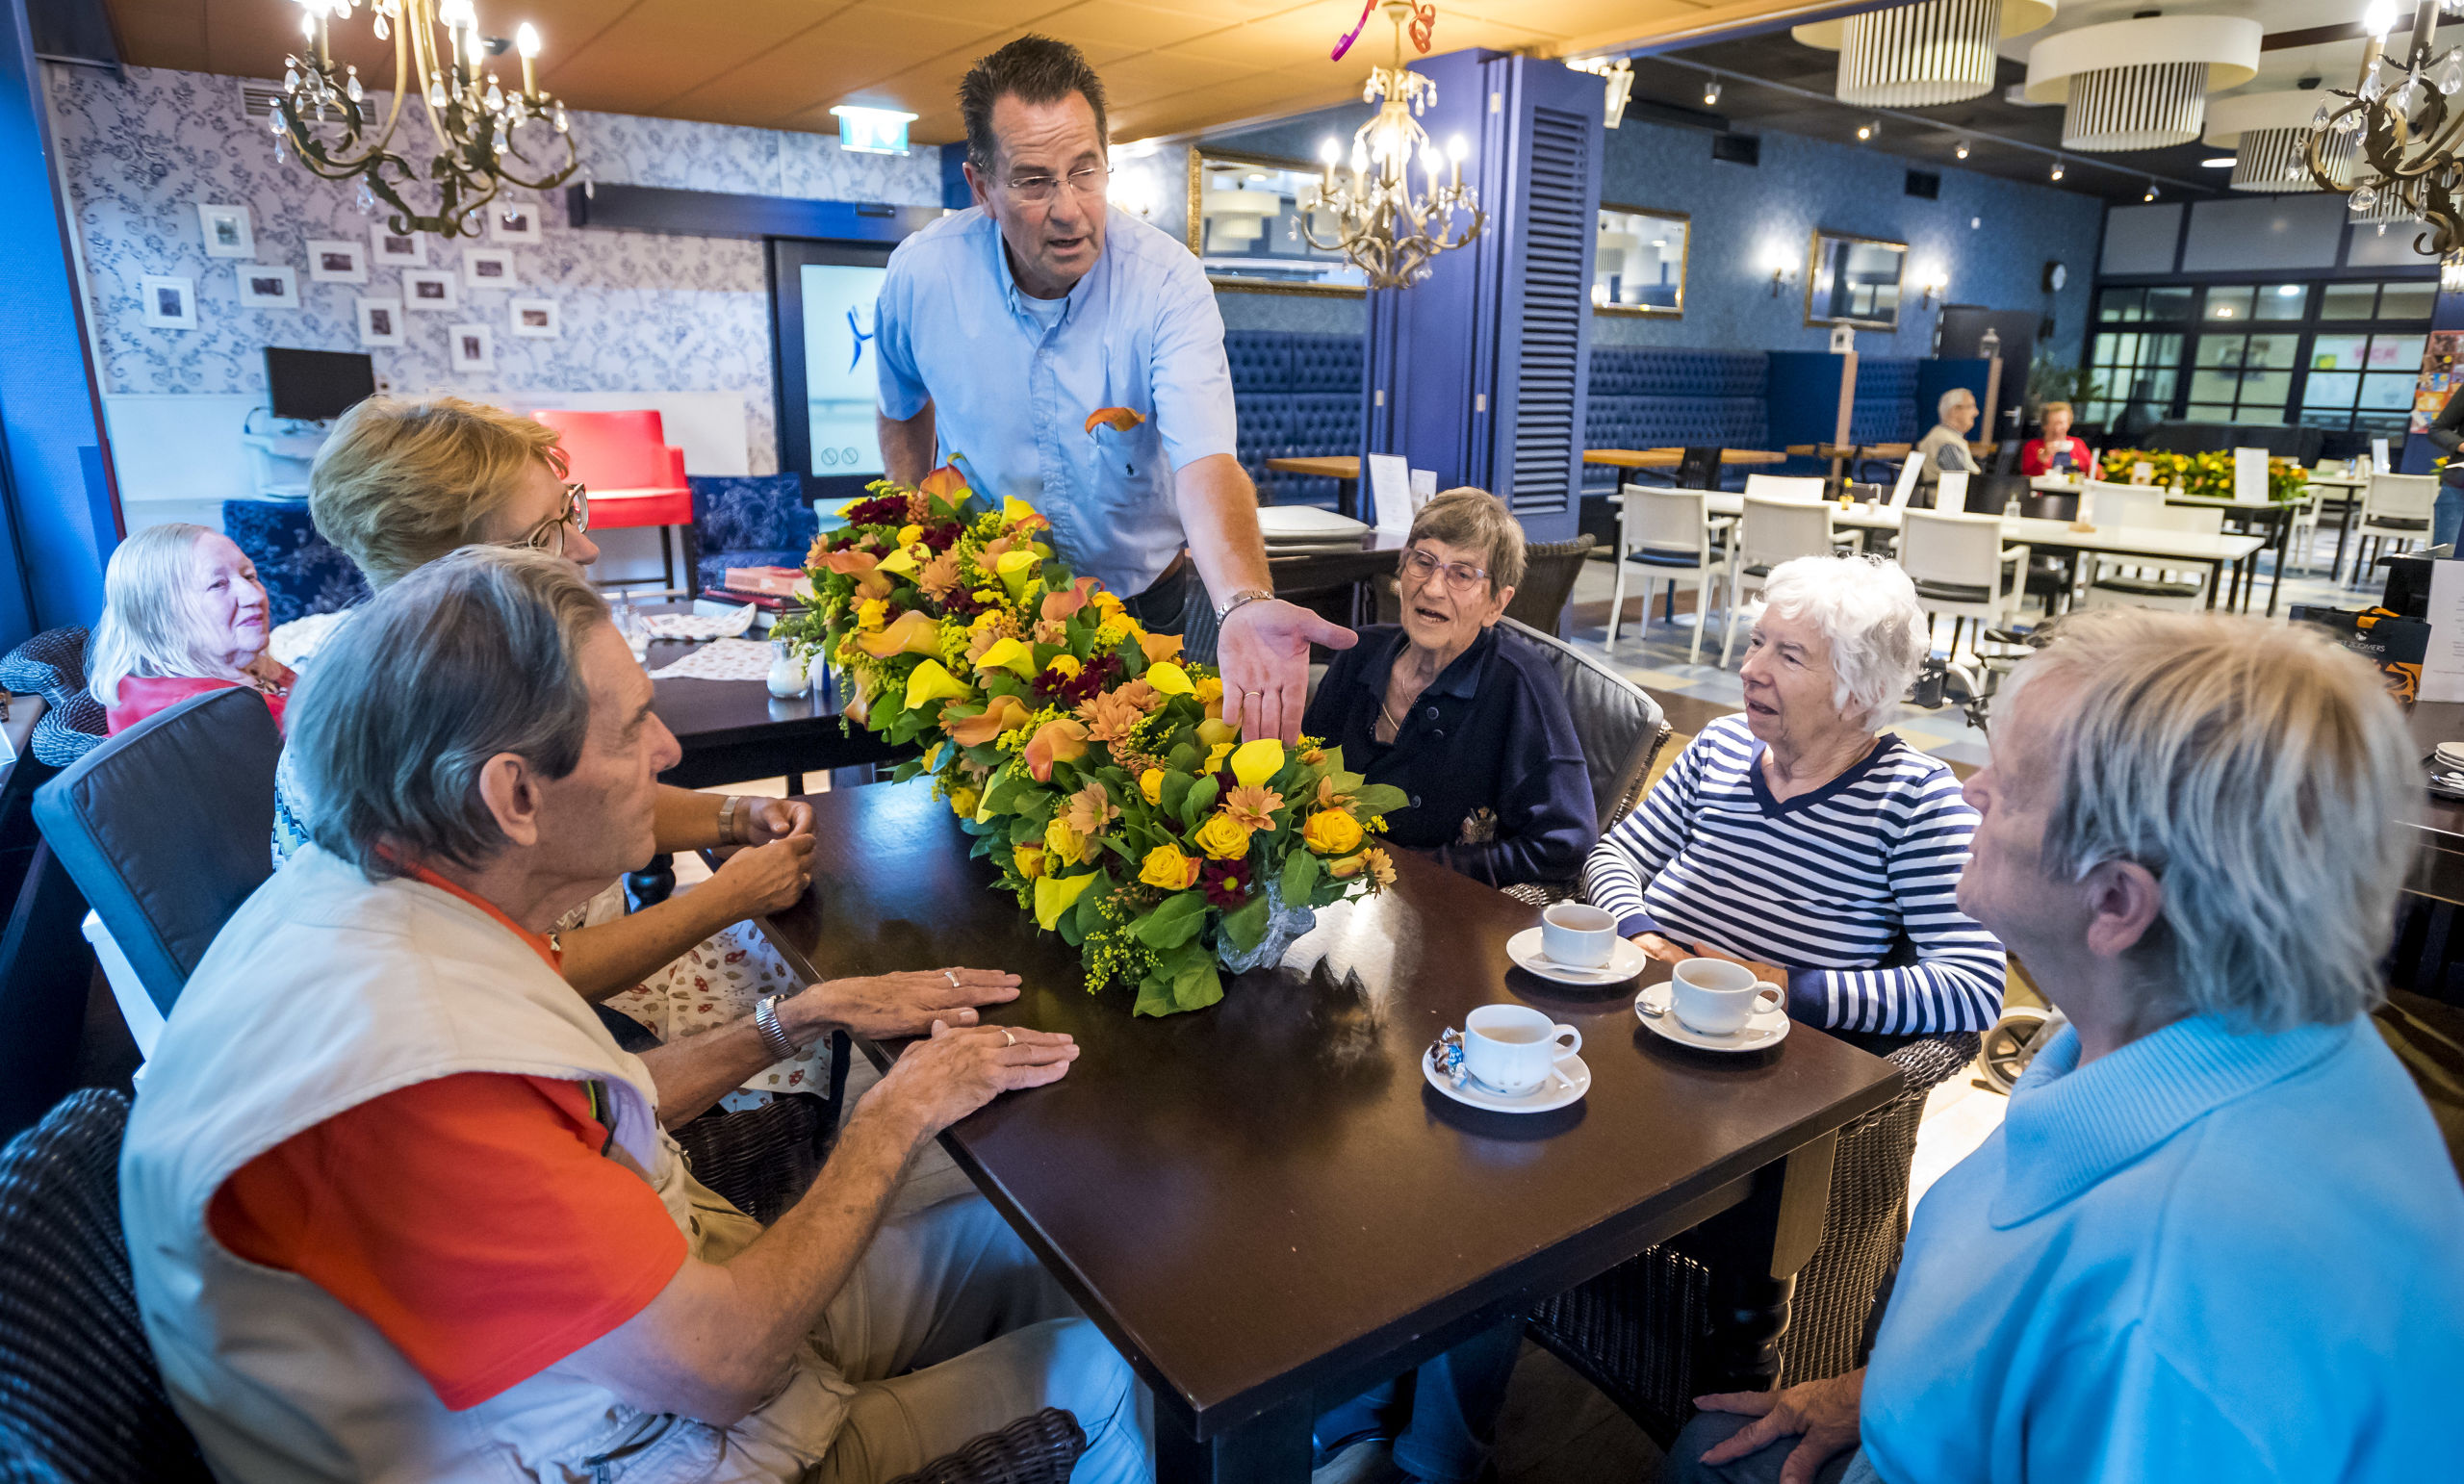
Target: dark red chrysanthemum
942, 537
887, 510
1226, 883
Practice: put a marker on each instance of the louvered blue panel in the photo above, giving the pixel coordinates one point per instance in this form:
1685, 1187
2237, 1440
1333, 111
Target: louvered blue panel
1543, 445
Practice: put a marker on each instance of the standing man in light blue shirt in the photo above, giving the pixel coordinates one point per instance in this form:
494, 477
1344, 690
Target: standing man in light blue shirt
1004, 327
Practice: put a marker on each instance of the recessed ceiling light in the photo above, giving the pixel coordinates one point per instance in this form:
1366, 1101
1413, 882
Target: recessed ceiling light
2220, 163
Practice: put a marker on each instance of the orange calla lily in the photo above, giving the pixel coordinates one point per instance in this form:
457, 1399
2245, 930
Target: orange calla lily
1002, 714
913, 632
1056, 741
850, 564
1120, 420
945, 482
1058, 606
1160, 647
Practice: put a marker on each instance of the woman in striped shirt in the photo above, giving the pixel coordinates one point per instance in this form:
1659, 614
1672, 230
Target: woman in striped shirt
1795, 839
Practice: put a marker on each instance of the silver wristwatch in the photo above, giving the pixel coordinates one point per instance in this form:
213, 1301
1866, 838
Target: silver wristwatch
774, 1036
1232, 604
729, 834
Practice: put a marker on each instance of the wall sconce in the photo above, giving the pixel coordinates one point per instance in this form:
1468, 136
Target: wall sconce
1783, 269
1934, 285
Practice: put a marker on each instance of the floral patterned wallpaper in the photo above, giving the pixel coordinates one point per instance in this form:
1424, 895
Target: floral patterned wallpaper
638, 311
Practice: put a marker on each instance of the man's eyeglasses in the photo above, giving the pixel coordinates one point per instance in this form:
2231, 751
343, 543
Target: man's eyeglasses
548, 536
1461, 578
1036, 189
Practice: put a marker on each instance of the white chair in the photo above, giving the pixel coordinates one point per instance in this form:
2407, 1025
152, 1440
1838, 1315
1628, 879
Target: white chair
2119, 582
1783, 487
1770, 533
1906, 484
2299, 541
1668, 534
1961, 567
2396, 507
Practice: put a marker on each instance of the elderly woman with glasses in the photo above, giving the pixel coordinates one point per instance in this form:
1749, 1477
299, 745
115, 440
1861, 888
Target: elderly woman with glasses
1799, 839
182, 614
1467, 721
401, 483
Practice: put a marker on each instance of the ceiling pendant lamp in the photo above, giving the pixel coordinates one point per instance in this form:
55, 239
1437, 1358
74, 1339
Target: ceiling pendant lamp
2269, 133
1922, 56
2140, 84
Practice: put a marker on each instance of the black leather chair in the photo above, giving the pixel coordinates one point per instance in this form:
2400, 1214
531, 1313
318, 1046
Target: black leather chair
1621, 727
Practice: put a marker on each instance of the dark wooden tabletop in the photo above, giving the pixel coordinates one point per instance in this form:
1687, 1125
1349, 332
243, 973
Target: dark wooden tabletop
1263, 1199
731, 731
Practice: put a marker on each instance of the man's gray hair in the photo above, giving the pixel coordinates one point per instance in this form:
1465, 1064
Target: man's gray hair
1949, 399
1867, 609
474, 654
2263, 774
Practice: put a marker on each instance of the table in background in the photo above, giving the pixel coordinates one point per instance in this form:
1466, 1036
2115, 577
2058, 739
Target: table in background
2433, 723
1301, 574
1622, 459
731, 731
1264, 1206
1342, 468
2346, 501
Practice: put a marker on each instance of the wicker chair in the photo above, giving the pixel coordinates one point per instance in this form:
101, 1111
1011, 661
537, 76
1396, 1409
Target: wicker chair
1550, 569
1636, 1331
80, 1401
1621, 727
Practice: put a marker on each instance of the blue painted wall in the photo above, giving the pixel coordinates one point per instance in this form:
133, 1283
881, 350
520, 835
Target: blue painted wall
1744, 218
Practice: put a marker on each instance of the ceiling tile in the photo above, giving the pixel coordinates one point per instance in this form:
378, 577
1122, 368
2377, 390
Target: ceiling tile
1132, 27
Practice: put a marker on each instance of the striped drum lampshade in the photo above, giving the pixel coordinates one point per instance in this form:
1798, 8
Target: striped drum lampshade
1922, 56
2140, 84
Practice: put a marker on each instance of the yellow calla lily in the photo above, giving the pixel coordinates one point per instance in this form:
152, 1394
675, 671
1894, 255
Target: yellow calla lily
1015, 568
928, 682
899, 561
1216, 733
1008, 653
1056, 897
1169, 678
1013, 510
1253, 763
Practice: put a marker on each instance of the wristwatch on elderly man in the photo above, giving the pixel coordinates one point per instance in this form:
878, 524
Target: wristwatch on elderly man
732, 818
1234, 603
775, 1038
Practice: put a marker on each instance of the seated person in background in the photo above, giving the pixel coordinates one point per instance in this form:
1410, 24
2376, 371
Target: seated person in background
401, 483
1944, 448
2056, 452
399, 1209
2215, 1236
182, 614
1466, 720
1796, 840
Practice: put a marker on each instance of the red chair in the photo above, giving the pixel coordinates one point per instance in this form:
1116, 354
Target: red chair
634, 478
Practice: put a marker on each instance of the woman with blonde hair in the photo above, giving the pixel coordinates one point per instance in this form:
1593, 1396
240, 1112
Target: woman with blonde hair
182, 614
401, 483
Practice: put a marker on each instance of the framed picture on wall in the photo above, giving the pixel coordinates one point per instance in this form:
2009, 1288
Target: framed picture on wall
227, 234
487, 268
380, 321
263, 287
431, 289
474, 347
168, 303
536, 319
397, 249
514, 224
337, 263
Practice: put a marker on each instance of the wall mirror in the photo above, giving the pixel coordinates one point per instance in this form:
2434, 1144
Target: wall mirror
1854, 280
1244, 215
1640, 267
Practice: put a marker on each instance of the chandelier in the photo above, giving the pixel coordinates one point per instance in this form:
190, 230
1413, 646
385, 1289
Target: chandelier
439, 56
2270, 136
2404, 133
1379, 226
1922, 56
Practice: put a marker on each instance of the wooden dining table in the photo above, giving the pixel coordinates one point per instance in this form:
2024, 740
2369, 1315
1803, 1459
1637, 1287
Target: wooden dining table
1267, 1208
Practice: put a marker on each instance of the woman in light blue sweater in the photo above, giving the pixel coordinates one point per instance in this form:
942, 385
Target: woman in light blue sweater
2217, 1236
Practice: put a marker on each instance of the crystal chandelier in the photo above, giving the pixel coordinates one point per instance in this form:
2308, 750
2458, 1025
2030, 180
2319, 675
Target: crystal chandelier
438, 56
1380, 227
2405, 133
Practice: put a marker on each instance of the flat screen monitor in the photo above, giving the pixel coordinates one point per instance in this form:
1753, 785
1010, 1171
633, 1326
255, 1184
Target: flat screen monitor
828, 376
317, 386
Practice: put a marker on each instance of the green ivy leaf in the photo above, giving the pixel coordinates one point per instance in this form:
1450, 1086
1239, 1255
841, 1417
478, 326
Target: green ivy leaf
1026, 831
1300, 874
1247, 922
1200, 800
1174, 921
1174, 793
1185, 757
1155, 996
1378, 799
1197, 985
908, 770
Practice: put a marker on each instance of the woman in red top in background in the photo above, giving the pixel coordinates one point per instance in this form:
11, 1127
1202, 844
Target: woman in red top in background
184, 615
2057, 452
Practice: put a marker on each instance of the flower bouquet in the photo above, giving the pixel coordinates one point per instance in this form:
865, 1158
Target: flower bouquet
1093, 766
2209, 475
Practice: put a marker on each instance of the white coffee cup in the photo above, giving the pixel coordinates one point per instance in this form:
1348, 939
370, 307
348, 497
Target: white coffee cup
1718, 997
1577, 936
1509, 1047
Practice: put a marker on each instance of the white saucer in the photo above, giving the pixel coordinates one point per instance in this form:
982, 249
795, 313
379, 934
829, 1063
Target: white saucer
1768, 1026
1547, 1098
1624, 961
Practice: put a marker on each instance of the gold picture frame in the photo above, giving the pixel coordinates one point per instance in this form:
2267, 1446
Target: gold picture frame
1600, 305
1201, 159
1849, 241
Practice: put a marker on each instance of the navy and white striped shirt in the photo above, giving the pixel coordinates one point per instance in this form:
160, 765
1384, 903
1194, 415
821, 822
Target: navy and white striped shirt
1824, 885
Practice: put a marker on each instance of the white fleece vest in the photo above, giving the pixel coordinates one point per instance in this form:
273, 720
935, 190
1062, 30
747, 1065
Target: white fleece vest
323, 992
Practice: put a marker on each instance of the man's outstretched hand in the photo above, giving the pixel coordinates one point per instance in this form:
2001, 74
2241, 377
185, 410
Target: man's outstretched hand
1264, 654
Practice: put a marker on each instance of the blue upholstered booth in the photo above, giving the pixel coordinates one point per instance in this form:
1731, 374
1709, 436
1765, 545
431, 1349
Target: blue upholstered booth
749, 521
1298, 396
1662, 397
1886, 408
302, 572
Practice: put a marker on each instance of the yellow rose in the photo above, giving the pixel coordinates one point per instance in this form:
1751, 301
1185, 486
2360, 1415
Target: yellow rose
1151, 783
1167, 867
1253, 763
1223, 838
1216, 733
1210, 690
1029, 859
1064, 664
1064, 845
1215, 756
964, 801
1347, 867
907, 535
1331, 832
870, 613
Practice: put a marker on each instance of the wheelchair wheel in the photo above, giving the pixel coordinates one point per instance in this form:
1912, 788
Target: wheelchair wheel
2007, 1049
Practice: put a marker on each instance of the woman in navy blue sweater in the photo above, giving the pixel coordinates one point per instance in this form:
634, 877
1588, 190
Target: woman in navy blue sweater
1467, 721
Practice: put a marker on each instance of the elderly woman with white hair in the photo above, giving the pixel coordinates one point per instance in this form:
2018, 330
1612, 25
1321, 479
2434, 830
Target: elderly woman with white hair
1796, 839
2215, 1238
182, 614
1943, 450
